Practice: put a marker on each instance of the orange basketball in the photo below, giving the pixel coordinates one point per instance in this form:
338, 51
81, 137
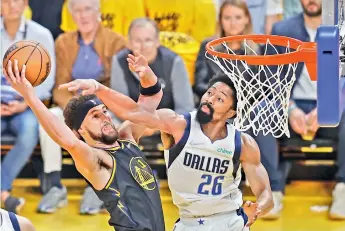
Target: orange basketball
34, 55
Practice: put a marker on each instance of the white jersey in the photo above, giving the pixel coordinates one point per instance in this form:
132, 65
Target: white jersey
203, 176
8, 221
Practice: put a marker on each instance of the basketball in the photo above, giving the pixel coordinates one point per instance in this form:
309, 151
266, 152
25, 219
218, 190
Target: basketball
34, 55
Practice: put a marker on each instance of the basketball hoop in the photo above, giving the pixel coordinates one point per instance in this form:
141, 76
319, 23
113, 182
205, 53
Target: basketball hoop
263, 82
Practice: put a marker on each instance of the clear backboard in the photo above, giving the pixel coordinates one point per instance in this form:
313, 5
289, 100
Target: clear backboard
330, 40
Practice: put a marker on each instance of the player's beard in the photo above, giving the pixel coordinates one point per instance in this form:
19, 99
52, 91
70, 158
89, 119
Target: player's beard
203, 117
312, 14
103, 138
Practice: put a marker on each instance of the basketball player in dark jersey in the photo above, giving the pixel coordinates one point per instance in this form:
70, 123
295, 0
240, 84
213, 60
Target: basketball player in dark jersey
108, 158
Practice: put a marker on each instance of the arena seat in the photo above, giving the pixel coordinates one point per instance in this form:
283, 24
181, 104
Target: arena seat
7, 142
299, 149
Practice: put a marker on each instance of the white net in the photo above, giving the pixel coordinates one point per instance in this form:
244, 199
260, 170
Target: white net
263, 92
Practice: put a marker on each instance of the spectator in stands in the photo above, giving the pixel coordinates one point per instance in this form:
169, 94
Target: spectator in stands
274, 13
16, 117
264, 13
115, 14
48, 14
143, 37
303, 113
291, 8
278, 9
234, 19
183, 24
194, 18
85, 53
258, 12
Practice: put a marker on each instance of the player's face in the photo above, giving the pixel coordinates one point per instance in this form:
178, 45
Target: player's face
234, 20
312, 8
85, 15
145, 41
99, 126
12, 9
216, 104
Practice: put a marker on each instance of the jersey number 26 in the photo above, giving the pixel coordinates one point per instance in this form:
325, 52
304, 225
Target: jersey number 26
216, 184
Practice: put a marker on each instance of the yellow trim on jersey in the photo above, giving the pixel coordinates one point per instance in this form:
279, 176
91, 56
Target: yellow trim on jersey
113, 149
118, 194
112, 173
121, 206
129, 141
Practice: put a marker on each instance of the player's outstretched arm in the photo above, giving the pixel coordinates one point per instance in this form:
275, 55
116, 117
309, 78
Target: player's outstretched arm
164, 120
84, 155
150, 89
256, 175
141, 113
149, 98
124, 107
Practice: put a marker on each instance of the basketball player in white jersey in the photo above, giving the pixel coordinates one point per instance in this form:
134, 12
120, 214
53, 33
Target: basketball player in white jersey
12, 222
204, 155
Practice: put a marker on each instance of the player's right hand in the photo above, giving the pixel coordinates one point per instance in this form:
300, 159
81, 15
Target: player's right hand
17, 78
298, 122
88, 86
252, 211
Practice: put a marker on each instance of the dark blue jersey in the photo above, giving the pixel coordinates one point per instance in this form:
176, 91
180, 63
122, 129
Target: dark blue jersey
132, 196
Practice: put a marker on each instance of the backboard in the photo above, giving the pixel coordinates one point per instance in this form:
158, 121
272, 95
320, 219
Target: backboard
330, 40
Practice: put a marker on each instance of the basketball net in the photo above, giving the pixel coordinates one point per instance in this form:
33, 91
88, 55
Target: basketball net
263, 91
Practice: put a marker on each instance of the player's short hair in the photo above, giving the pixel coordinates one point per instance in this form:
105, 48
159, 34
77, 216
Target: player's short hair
70, 111
223, 78
141, 22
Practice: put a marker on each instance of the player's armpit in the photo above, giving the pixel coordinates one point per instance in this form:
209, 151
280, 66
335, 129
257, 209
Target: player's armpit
256, 174
25, 224
131, 131
89, 162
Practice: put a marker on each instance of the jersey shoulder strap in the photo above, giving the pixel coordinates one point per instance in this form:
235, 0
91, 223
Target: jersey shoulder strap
14, 221
237, 154
177, 148
129, 143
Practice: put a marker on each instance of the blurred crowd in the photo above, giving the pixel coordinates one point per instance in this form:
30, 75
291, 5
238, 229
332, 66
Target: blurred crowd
92, 38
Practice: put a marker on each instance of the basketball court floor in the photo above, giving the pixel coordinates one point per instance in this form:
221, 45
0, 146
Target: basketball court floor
305, 209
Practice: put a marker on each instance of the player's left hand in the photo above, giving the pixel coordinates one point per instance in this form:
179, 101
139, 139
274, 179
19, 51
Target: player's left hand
17, 79
252, 210
311, 119
88, 86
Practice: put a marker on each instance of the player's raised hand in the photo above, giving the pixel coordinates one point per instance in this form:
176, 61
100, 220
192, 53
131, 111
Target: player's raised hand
17, 79
138, 63
252, 211
87, 86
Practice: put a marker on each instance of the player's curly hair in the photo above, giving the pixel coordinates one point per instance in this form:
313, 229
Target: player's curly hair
70, 110
223, 78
